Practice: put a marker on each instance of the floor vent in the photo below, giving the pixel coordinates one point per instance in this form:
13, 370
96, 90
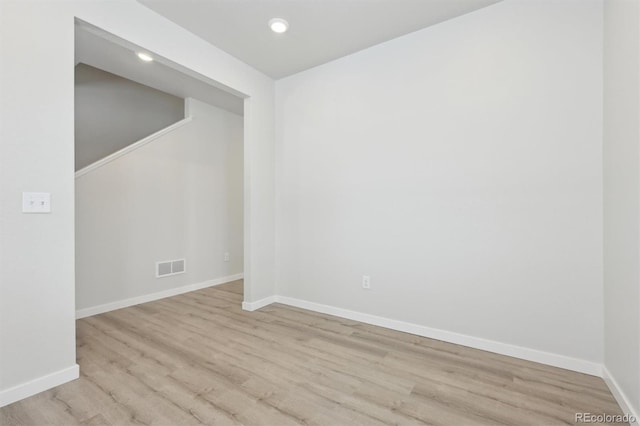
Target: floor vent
170, 267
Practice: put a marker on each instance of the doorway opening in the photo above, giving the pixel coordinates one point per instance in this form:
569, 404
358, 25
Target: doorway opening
159, 176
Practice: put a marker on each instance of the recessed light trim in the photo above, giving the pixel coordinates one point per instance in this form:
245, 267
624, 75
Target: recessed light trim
278, 25
145, 57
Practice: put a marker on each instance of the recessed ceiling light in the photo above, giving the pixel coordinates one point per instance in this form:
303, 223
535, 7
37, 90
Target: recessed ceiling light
145, 56
278, 25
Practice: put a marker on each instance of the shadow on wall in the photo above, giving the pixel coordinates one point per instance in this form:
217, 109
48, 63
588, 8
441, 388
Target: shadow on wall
112, 112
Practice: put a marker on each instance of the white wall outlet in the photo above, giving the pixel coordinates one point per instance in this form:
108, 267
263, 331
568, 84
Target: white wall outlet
36, 202
226, 256
366, 282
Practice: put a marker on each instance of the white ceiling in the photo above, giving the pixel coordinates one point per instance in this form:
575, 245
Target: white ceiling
320, 30
106, 52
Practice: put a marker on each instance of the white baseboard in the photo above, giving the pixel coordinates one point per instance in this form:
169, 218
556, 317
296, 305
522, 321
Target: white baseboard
95, 310
620, 396
41, 384
575, 364
252, 306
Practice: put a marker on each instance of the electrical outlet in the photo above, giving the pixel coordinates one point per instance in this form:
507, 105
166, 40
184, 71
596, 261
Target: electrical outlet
366, 282
226, 256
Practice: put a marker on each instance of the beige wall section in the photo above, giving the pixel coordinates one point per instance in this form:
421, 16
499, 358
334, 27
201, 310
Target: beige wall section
179, 196
621, 195
112, 112
460, 167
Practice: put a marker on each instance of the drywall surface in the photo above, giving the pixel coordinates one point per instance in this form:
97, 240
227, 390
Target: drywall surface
460, 167
37, 290
112, 112
621, 195
178, 197
37, 312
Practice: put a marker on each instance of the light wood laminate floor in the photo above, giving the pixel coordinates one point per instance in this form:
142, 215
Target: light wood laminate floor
198, 358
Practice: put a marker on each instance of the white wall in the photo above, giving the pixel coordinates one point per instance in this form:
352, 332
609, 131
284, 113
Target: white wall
461, 168
112, 112
621, 195
179, 196
37, 307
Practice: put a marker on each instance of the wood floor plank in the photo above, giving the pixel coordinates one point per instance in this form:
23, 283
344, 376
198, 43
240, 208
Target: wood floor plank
198, 358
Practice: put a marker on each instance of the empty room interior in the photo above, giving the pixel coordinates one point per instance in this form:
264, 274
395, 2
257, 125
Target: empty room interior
319, 212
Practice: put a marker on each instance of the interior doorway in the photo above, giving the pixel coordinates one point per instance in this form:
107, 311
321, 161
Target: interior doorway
159, 197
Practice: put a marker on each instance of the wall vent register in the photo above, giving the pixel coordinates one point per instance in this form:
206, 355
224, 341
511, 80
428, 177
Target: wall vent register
170, 267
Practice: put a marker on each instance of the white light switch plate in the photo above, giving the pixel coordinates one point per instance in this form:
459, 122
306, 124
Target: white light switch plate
36, 202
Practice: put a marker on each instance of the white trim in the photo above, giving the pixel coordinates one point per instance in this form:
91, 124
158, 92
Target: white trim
95, 310
41, 384
188, 106
132, 147
252, 306
569, 363
619, 395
